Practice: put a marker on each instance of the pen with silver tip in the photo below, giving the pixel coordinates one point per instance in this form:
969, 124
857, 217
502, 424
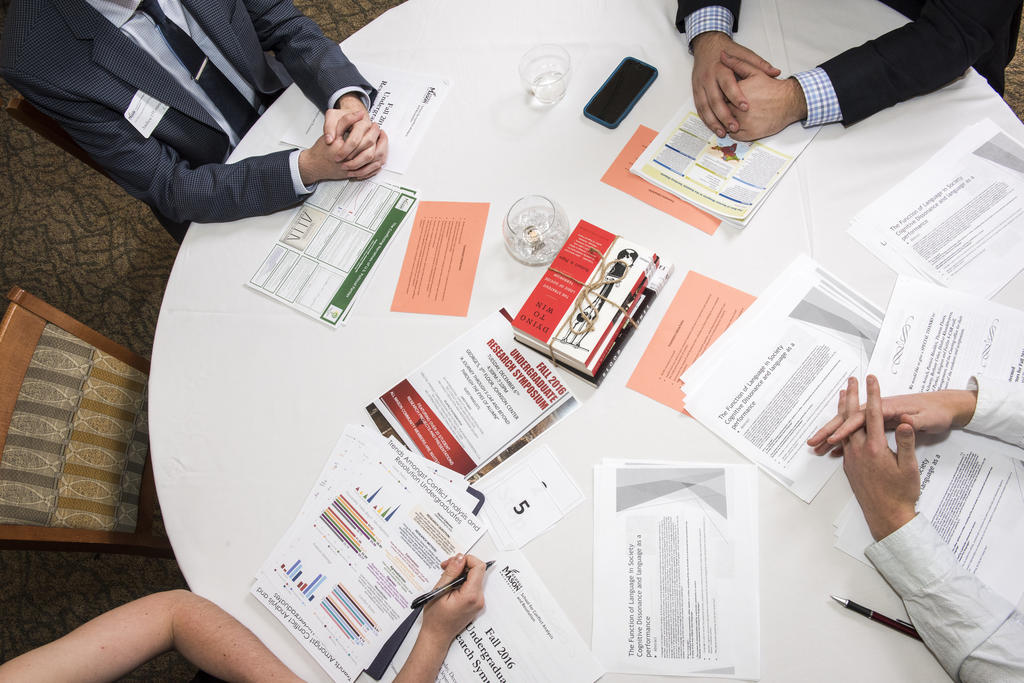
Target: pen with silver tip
441, 590
904, 627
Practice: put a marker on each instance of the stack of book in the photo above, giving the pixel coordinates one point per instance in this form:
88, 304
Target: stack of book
587, 304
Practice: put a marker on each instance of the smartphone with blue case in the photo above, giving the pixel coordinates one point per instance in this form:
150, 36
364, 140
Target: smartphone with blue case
614, 100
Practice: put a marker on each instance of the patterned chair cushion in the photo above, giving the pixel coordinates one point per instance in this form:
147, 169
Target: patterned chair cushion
78, 439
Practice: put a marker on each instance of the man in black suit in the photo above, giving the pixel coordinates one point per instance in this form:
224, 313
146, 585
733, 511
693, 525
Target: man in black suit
735, 90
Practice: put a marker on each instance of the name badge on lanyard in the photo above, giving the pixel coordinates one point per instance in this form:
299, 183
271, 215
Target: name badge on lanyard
144, 112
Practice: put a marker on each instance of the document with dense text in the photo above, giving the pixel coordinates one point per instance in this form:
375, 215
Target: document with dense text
972, 491
936, 338
676, 569
773, 377
721, 176
369, 538
959, 219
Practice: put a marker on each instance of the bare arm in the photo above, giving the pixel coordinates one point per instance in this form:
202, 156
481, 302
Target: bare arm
116, 642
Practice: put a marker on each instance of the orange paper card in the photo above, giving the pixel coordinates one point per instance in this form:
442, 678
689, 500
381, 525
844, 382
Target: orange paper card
700, 312
440, 261
619, 177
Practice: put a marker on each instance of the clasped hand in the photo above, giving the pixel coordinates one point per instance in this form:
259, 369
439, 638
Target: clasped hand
736, 91
352, 146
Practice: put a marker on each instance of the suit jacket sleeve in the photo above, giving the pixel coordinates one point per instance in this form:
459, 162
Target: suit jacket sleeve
154, 172
317, 64
919, 57
687, 7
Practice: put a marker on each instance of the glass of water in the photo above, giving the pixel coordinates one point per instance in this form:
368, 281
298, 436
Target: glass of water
545, 72
535, 228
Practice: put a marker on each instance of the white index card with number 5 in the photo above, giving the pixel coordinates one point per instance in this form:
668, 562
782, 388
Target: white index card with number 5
525, 496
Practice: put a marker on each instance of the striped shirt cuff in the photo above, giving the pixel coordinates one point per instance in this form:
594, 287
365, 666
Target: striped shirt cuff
713, 18
822, 101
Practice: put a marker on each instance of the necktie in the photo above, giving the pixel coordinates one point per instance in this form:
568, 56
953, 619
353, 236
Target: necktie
236, 109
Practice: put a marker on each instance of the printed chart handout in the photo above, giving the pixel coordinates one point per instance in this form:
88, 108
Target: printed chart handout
676, 569
773, 377
331, 245
521, 636
959, 219
721, 176
369, 538
476, 402
404, 106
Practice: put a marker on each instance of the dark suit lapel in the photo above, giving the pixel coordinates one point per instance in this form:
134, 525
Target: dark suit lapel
119, 55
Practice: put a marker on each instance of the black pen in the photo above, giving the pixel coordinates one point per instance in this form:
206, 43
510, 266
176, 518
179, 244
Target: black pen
441, 590
904, 627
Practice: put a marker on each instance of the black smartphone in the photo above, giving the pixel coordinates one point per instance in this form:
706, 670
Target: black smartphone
620, 92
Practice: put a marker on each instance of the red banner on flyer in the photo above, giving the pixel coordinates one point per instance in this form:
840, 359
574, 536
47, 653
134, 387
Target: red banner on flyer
426, 430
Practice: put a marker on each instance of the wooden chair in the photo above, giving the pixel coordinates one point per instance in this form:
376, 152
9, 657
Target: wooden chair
22, 111
74, 466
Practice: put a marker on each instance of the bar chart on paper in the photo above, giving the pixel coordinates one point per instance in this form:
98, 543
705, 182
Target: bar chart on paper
349, 525
348, 615
306, 587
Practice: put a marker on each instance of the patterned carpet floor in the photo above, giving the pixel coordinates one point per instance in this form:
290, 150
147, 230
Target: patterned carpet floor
73, 238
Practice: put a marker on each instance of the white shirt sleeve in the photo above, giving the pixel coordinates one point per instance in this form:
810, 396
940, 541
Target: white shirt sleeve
1000, 411
975, 634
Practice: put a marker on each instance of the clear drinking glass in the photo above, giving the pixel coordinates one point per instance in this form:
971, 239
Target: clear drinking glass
545, 72
535, 228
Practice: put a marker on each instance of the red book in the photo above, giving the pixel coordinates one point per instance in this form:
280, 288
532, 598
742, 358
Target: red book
554, 295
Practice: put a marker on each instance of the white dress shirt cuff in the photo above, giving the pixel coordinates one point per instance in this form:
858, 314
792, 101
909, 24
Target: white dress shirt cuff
300, 189
1000, 410
938, 592
363, 95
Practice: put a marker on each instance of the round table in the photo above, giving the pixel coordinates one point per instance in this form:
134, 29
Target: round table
247, 397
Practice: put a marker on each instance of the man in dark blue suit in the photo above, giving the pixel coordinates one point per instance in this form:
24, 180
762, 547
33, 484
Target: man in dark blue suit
160, 91
735, 90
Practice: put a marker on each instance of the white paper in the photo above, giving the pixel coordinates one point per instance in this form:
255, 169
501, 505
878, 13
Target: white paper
720, 175
405, 105
526, 496
331, 246
936, 338
773, 377
676, 569
521, 636
369, 538
959, 219
972, 491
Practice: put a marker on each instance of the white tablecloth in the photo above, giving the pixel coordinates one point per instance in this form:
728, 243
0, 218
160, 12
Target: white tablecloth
247, 398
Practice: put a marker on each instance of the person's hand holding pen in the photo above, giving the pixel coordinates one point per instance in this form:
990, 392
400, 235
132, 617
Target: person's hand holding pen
445, 617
